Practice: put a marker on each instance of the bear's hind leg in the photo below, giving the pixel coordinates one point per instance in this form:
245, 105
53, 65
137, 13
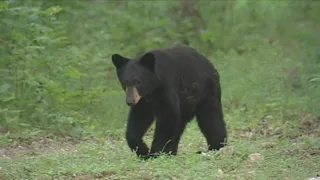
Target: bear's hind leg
140, 119
211, 123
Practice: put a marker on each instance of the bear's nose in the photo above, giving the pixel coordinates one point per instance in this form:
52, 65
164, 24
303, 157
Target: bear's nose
130, 103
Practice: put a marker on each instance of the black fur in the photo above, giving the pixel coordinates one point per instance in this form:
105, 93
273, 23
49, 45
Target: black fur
176, 85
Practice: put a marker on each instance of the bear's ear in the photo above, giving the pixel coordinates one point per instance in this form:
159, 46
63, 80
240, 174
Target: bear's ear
119, 61
148, 61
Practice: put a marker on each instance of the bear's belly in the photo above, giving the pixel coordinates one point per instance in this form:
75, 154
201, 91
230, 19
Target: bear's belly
188, 102
187, 108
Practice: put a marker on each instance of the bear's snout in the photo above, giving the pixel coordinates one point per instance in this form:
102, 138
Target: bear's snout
132, 96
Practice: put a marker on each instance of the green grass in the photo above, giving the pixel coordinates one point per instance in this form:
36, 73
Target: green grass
109, 158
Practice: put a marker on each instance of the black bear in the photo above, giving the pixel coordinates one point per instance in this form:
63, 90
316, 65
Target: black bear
172, 85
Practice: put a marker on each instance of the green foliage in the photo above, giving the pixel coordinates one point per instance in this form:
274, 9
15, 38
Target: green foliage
57, 73
42, 85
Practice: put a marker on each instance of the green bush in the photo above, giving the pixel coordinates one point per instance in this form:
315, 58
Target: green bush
41, 84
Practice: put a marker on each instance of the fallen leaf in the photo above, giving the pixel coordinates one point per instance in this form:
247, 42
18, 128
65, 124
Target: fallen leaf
220, 172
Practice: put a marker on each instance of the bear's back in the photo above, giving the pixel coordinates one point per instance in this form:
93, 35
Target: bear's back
184, 61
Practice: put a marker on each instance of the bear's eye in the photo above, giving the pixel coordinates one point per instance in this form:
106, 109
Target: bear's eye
138, 82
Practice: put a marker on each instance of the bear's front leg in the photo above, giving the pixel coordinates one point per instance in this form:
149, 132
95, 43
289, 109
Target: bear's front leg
167, 132
139, 120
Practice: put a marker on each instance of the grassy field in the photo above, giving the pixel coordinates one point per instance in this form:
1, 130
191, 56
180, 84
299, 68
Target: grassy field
263, 152
269, 68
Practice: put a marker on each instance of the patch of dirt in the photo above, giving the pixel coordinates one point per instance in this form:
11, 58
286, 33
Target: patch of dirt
3, 130
253, 159
310, 126
39, 145
302, 153
80, 176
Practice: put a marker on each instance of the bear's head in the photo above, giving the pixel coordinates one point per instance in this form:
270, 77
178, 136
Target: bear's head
137, 76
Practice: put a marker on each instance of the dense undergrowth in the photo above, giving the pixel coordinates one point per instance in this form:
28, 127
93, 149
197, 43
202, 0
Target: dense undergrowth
57, 76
